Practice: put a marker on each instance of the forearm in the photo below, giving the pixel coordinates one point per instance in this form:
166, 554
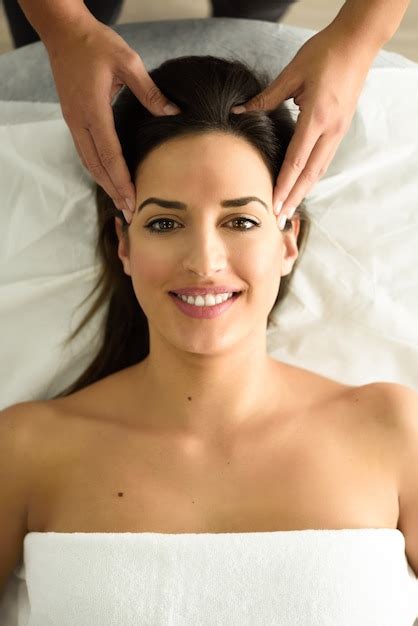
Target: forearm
372, 21
49, 17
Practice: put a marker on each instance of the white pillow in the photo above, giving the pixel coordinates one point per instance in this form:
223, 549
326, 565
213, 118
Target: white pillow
352, 310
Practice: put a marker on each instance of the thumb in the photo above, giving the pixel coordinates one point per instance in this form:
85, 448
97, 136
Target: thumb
268, 99
147, 92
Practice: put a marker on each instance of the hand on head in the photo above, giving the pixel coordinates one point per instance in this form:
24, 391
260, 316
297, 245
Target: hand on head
325, 79
90, 64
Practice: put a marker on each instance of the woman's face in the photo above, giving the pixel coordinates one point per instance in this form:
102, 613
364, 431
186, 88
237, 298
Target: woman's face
242, 246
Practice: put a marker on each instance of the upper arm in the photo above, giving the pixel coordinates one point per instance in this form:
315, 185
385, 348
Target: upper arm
14, 496
405, 402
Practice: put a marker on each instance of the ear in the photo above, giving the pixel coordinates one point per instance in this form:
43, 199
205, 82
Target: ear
290, 247
123, 246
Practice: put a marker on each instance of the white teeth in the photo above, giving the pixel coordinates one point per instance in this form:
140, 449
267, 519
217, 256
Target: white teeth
207, 300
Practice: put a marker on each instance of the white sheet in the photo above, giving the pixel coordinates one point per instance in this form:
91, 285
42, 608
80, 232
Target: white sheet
353, 308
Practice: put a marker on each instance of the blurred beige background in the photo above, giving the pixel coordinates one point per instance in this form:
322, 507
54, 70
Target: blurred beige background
315, 14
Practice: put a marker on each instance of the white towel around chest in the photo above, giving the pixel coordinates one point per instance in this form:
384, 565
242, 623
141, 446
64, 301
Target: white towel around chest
350, 577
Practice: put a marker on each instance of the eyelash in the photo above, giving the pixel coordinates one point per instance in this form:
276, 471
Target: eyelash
169, 219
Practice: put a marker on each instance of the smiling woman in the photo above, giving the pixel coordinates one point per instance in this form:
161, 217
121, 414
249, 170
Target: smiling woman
205, 88
185, 455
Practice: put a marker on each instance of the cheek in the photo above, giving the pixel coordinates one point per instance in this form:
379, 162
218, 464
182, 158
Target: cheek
260, 267
149, 263
259, 260
148, 270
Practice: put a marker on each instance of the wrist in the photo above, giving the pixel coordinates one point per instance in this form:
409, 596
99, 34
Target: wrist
353, 42
356, 23
62, 27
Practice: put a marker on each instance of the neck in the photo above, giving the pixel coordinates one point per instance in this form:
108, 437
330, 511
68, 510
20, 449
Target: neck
207, 396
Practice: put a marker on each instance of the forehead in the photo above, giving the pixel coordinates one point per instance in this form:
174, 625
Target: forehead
204, 156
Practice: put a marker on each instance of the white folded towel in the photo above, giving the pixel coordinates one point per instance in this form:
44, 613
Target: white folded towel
349, 577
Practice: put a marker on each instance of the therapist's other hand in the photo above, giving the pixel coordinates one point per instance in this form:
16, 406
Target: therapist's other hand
90, 63
325, 79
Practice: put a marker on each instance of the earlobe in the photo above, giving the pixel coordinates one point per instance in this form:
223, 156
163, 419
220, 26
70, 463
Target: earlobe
125, 263
126, 269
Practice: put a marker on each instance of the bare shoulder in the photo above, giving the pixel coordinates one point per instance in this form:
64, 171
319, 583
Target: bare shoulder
396, 408
403, 403
33, 429
33, 433
375, 417
385, 407
399, 408
18, 453
23, 421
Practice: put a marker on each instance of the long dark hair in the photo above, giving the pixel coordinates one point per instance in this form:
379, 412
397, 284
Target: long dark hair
205, 88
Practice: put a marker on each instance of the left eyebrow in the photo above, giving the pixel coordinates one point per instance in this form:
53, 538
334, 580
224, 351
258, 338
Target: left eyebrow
175, 204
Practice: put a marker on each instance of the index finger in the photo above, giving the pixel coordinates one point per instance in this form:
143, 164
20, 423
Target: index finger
103, 132
306, 134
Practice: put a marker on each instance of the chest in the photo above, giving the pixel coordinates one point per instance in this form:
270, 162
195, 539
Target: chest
321, 472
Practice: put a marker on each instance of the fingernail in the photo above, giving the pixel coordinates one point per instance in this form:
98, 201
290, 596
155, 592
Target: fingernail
291, 212
130, 204
238, 109
282, 221
127, 215
171, 109
278, 207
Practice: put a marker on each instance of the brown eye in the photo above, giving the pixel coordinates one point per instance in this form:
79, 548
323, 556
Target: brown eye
244, 219
161, 230
166, 220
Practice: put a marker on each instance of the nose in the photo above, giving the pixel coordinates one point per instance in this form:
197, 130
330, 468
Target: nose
205, 253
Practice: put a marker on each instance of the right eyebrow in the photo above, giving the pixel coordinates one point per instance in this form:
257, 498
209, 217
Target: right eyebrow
181, 206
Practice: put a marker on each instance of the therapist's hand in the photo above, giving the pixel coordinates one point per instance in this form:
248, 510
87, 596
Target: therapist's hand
325, 79
91, 63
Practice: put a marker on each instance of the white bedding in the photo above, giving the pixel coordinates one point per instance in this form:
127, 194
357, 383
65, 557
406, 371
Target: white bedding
353, 307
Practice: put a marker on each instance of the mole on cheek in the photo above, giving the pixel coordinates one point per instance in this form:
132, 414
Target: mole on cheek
120, 494
188, 397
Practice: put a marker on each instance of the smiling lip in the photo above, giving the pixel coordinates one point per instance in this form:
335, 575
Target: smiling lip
207, 312
201, 291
